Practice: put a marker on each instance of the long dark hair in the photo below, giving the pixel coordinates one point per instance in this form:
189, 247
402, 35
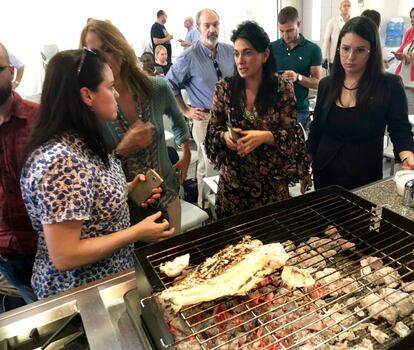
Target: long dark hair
371, 85
267, 95
61, 107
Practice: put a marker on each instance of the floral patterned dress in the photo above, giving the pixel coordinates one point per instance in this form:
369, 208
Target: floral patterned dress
261, 177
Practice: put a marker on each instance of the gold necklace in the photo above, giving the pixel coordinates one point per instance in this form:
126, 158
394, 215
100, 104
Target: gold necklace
250, 115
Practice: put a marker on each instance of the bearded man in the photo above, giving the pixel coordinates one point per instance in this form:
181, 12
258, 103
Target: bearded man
198, 69
18, 240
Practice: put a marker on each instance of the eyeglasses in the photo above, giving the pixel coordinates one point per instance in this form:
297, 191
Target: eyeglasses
357, 51
83, 57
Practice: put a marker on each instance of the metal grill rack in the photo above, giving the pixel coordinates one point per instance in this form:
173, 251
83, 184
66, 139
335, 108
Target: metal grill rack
272, 317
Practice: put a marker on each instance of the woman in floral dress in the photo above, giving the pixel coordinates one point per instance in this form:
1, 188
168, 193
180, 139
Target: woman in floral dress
259, 106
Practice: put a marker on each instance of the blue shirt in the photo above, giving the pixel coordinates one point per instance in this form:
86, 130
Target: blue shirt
192, 35
299, 59
194, 70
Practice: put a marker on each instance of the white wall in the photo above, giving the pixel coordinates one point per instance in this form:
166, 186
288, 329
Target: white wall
50, 21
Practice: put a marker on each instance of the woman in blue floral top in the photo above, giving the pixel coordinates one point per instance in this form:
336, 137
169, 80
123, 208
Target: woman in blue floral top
74, 191
267, 149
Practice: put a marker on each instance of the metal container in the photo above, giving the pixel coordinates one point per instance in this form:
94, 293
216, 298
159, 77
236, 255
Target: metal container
408, 198
387, 236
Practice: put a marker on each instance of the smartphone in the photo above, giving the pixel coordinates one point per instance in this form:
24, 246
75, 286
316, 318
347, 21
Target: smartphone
233, 134
144, 189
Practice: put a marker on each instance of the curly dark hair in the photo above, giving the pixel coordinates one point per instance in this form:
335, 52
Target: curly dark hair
267, 95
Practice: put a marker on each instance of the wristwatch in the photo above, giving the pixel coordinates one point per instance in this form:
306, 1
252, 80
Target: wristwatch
299, 77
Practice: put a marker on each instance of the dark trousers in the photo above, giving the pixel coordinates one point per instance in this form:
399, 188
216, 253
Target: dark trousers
17, 269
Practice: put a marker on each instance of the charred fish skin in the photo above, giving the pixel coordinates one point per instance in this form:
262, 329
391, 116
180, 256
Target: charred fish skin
237, 278
219, 262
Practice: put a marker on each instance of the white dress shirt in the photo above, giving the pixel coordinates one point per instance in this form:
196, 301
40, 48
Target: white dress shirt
330, 39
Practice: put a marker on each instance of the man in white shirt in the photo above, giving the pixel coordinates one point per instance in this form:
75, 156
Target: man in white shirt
192, 33
332, 31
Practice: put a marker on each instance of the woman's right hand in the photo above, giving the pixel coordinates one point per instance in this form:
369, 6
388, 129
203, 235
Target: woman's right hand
229, 141
138, 137
151, 231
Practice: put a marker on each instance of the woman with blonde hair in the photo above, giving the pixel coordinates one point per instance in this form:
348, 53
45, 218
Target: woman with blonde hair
161, 58
137, 135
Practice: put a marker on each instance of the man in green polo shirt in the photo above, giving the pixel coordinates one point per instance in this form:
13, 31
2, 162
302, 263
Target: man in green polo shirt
297, 59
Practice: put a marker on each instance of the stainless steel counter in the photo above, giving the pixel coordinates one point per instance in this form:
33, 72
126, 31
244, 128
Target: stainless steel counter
383, 193
102, 309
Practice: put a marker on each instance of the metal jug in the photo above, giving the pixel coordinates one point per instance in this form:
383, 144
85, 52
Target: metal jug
408, 198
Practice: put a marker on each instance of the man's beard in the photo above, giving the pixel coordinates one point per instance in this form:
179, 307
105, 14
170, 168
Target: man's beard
212, 40
5, 93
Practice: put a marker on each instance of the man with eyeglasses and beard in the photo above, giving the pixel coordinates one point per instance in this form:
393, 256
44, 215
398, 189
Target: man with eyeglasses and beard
198, 69
18, 240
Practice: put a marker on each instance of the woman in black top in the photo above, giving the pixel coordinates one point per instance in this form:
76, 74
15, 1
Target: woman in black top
354, 106
161, 59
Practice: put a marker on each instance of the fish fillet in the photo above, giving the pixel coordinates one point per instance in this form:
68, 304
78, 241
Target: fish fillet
233, 271
175, 267
294, 277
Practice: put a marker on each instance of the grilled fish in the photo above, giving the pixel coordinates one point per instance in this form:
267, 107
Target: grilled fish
233, 271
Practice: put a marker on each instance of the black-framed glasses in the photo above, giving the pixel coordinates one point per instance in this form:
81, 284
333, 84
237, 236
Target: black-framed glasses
83, 57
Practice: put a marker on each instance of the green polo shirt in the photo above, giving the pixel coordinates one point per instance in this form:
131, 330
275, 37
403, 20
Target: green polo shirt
299, 59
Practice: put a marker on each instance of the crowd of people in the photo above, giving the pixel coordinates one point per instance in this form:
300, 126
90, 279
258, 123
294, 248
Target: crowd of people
68, 164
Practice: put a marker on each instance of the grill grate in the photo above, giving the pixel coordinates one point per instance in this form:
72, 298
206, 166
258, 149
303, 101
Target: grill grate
273, 317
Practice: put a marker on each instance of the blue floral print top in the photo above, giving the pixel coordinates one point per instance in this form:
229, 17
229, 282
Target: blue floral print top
64, 180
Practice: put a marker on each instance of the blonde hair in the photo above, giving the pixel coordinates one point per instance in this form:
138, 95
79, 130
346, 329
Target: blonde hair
159, 48
113, 41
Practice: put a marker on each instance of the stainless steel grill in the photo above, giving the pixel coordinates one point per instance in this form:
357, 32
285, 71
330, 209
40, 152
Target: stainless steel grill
273, 317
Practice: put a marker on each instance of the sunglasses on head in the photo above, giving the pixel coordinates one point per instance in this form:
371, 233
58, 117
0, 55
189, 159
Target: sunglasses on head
83, 57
